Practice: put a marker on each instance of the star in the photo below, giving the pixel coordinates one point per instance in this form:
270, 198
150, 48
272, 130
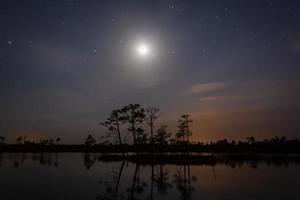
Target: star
218, 18
9, 42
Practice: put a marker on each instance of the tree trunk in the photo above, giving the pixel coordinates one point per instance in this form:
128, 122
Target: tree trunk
133, 133
187, 130
151, 130
119, 133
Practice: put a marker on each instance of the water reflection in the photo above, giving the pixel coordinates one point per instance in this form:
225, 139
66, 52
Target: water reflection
116, 177
160, 180
89, 160
111, 184
19, 159
182, 180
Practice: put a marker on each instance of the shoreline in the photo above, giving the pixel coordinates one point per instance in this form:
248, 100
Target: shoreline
153, 149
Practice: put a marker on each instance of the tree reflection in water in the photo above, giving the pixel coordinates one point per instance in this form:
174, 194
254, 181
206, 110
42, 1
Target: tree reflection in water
138, 185
89, 160
140, 178
111, 186
183, 181
45, 159
161, 180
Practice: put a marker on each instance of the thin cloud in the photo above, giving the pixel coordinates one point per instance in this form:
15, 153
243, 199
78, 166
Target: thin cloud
206, 87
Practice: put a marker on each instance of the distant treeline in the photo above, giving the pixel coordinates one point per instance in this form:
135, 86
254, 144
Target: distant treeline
273, 145
156, 140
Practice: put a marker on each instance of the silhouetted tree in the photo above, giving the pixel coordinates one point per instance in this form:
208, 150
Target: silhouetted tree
113, 124
184, 127
277, 140
19, 140
24, 139
172, 141
180, 133
162, 136
250, 140
152, 114
57, 140
2, 140
90, 140
51, 141
223, 142
141, 136
133, 116
44, 142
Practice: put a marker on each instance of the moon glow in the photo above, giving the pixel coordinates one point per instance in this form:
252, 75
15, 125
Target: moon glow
143, 49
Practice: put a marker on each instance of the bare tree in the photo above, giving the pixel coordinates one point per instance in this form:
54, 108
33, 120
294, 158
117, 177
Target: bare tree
152, 114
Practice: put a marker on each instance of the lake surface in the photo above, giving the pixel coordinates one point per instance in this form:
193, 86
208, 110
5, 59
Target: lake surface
84, 176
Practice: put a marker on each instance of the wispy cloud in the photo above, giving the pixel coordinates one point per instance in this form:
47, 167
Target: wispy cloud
206, 87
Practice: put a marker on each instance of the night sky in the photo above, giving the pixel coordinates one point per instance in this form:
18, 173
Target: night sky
233, 65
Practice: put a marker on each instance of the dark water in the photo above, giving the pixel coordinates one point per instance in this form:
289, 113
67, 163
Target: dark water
83, 176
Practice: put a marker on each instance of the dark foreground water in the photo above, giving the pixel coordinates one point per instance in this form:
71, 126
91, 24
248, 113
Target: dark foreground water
82, 176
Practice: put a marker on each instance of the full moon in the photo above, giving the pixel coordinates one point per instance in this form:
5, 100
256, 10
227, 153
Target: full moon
143, 49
